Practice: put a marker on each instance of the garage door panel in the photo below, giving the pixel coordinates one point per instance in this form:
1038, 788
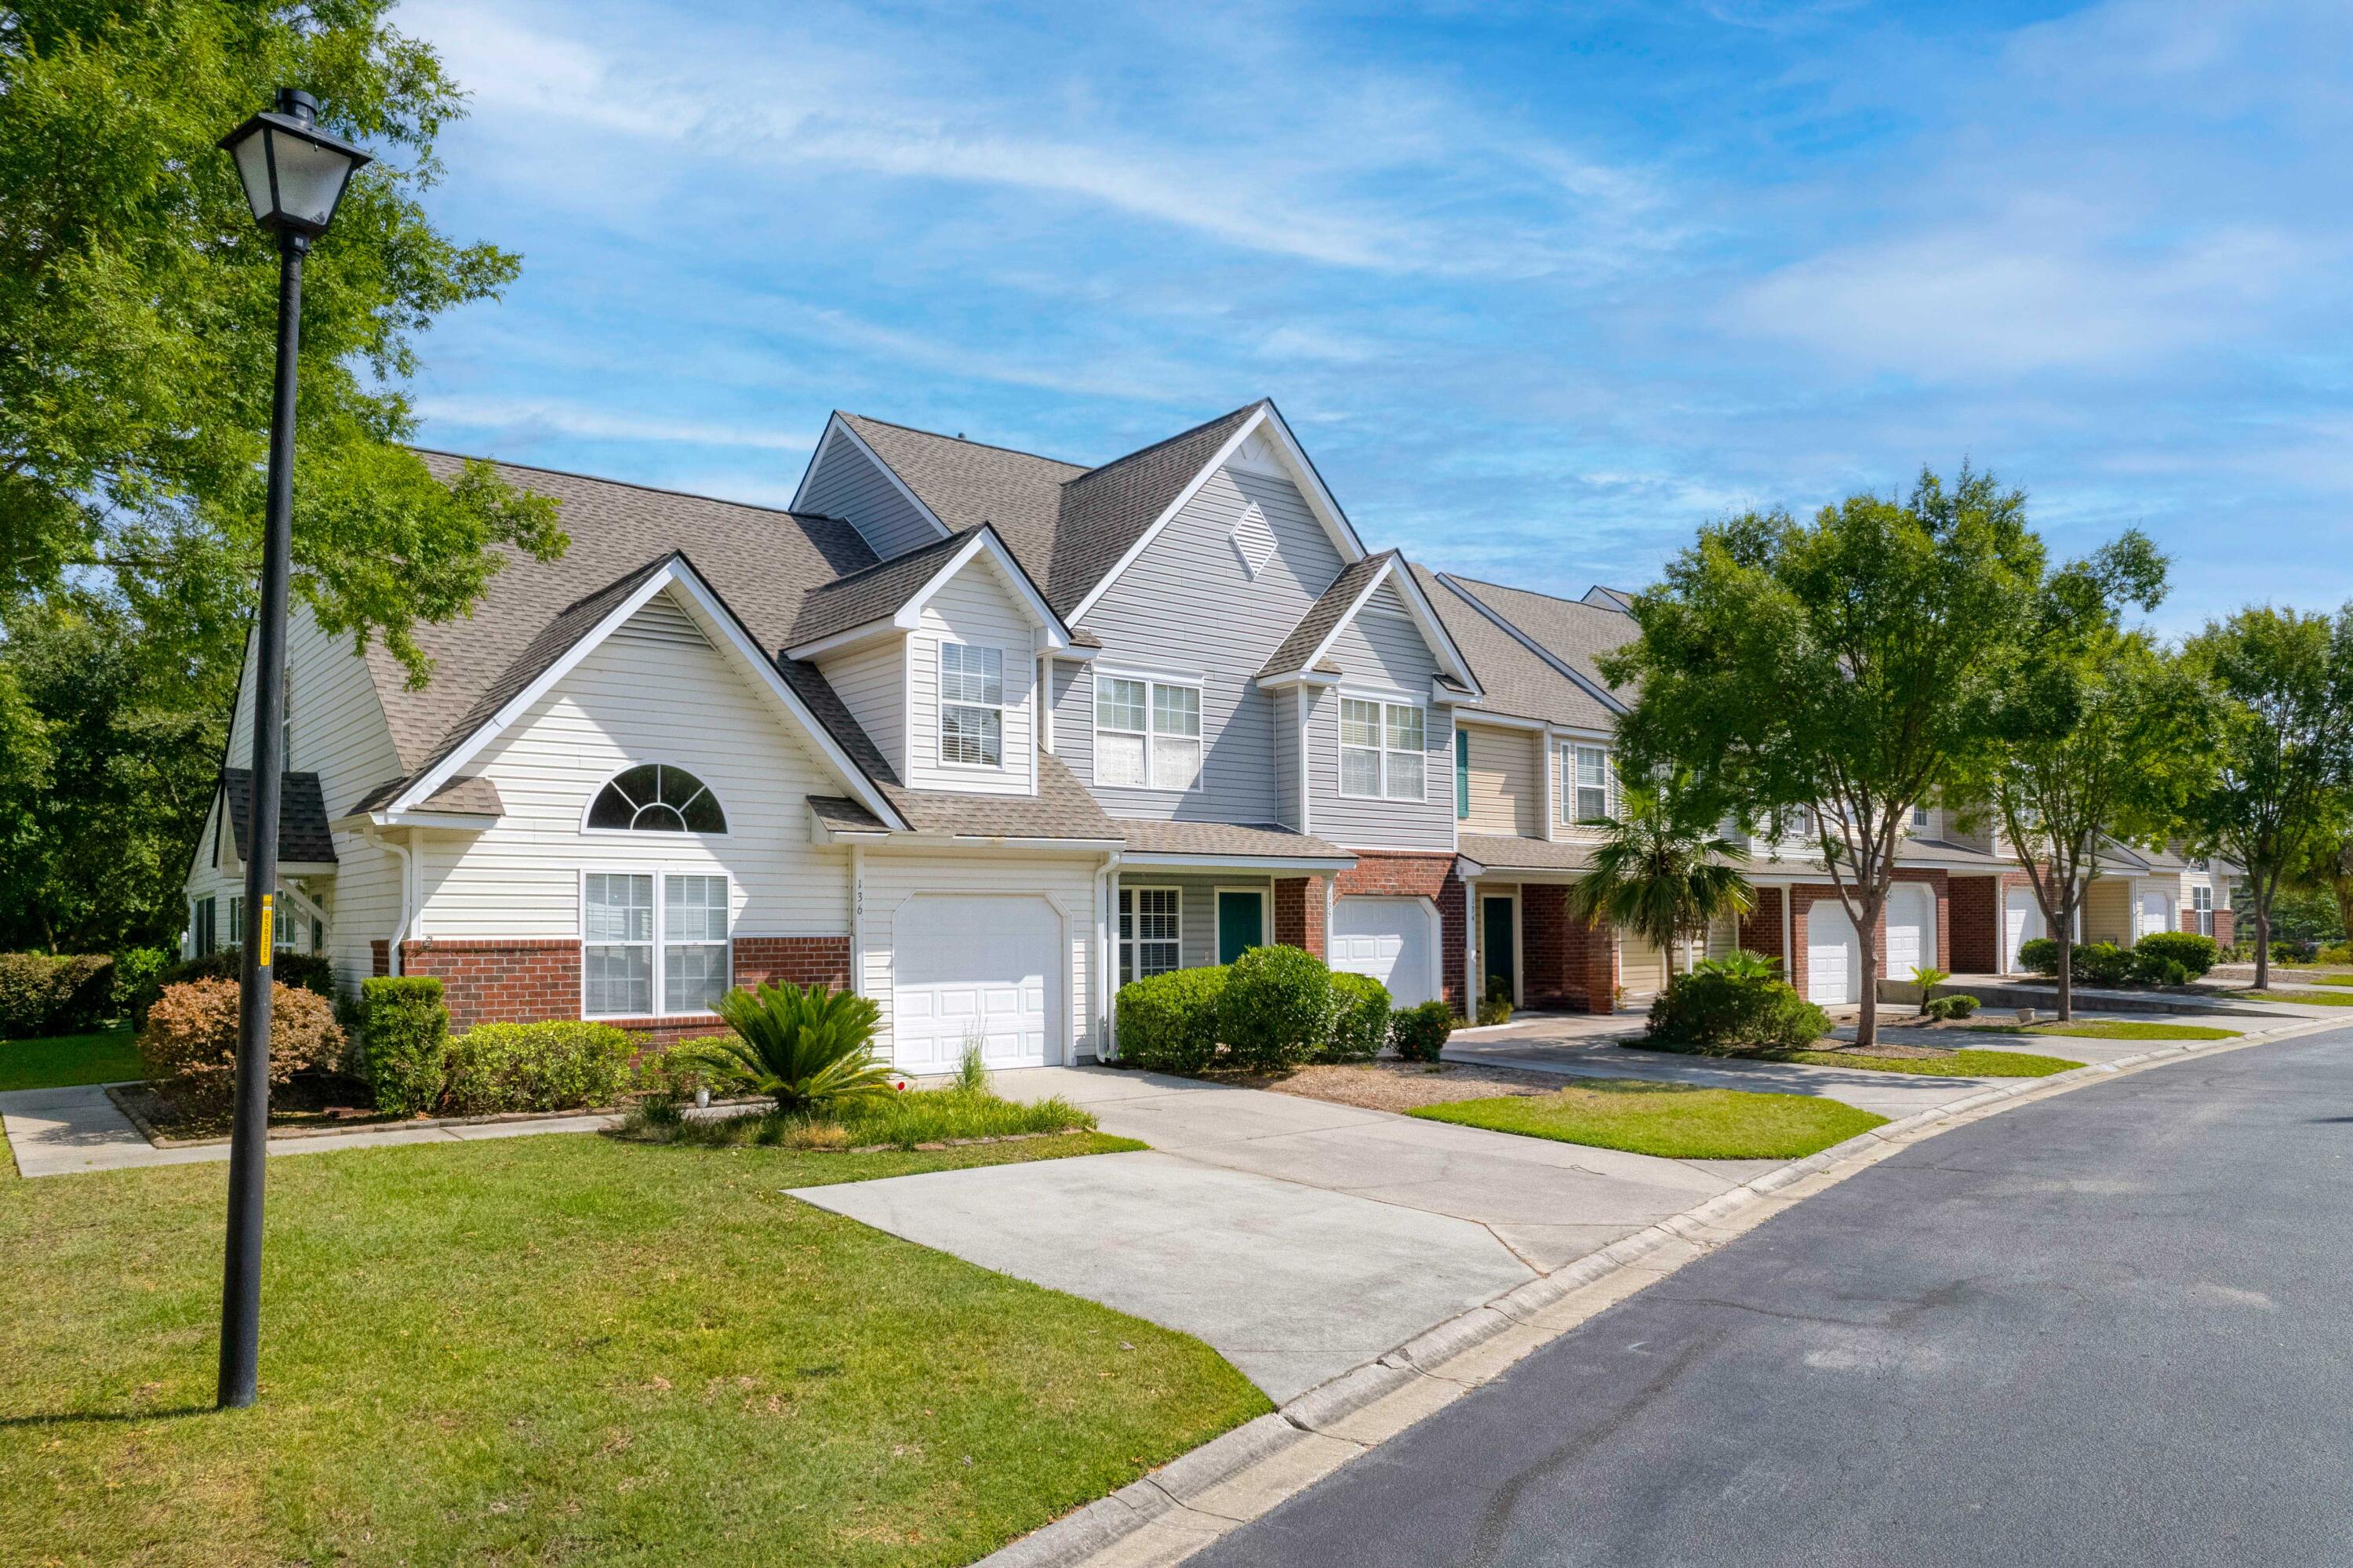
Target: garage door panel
1832, 957
974, 967
1393, 940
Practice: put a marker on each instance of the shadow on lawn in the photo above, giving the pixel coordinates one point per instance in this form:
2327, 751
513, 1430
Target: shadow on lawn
106, 1417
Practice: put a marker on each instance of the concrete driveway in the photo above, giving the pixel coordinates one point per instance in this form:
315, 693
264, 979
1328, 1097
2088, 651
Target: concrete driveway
1299, 1238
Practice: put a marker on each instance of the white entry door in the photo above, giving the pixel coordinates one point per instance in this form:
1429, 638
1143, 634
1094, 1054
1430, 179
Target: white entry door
1394, 940
2021, 922
2156, 912
1833, 957
974, 967
1911, 929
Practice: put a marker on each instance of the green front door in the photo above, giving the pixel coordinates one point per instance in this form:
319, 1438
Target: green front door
1241, 923
1495, 943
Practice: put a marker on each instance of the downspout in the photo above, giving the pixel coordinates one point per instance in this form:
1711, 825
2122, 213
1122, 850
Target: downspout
400, 931
857, 917
1106, 955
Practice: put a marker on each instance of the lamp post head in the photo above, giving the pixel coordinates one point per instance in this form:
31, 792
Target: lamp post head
293, 172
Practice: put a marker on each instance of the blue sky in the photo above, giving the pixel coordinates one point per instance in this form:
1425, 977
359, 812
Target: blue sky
1541, 287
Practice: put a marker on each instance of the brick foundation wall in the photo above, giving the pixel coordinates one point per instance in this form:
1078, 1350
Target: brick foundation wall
1298, 911
1976, 946
531, 980
1569, 964
1379, 873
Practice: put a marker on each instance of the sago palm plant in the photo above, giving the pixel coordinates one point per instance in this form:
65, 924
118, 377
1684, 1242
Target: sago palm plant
1662, 868
805, 1049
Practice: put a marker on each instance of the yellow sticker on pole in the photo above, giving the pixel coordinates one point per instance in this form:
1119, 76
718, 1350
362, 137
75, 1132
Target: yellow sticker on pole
263, 935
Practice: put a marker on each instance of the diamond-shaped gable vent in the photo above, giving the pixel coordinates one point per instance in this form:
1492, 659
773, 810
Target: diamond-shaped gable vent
1253, 539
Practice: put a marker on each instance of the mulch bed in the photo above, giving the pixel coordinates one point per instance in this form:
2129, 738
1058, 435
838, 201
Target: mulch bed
306, 1107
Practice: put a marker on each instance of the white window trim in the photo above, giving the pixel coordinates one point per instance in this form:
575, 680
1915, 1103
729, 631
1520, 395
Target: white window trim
1217, 919
660, 872
1612, 802
940, 705
1384, 701
1149, 680
640, 834
1121, 946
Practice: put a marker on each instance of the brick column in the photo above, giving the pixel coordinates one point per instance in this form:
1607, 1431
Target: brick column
1761, 928
1976, 946
1299, 912
1571, 964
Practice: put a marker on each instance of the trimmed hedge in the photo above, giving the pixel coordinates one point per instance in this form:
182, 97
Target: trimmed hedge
403, 1041
1419, 1034
41, 995
1277, 1008
1360, 1018
1711, 1009
2194, 953
2091, 963
559, 1065
1960, 1004
310, 971
1168, 1022
190, 1040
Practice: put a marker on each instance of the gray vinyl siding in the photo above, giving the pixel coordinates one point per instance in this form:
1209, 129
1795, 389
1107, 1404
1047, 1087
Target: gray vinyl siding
1196, 936
1188, 607
1380, 652
1286, 759
845, 482
1073, 697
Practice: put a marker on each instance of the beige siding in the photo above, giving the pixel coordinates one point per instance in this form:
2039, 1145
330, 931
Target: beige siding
1642, 966
979, 609
2108, 911
629, 702
1506, 793
1068, 883
873, 684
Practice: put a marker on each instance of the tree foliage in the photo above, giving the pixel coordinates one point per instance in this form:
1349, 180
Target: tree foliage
2282, 689
1662, 869
1850, 667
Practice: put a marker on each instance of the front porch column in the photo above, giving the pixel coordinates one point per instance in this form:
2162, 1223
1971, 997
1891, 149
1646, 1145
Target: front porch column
1299, 905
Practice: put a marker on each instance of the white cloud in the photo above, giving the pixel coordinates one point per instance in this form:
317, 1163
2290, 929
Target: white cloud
526, 418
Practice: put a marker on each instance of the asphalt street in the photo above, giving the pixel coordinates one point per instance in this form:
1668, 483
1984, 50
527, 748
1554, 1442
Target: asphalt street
2113, 1327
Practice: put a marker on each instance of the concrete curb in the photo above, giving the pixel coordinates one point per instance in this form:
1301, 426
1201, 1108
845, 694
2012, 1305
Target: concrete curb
1188, 1503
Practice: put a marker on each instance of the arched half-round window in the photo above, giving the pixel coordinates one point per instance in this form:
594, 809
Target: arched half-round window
655, 798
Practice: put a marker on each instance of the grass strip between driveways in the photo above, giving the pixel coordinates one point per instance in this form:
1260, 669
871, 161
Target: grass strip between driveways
2102, 1029
1958, 1064
1678, 1121
561, 1349
108, 1056
2306, 998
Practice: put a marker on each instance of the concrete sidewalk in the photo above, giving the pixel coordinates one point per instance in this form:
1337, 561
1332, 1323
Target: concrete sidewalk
63, 1132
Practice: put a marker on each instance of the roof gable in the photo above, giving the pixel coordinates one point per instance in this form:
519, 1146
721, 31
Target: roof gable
1379, 582
1568, 635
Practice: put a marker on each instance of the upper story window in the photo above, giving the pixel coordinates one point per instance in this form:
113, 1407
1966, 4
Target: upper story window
1147, 734
1801, 822
655, 798
1919, 819
1593, 792
972, 706
1381, 750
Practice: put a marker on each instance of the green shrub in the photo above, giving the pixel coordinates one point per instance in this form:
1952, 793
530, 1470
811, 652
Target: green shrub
1277, 1008
309, 971
1168, 1022
1721, 1012
804, 1048
139, 979
1742, 964
1419, 1032
559, 1065
404, 1042
190, 1041
2101, 963
1360, 1018
2156, 968
2341, 953
2191, 952
1959, 1005
1495, 1007
2287, 952
41, 995
2039, 954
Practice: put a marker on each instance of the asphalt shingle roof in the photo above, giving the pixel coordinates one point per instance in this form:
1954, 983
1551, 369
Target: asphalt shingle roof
302, 834
875, 593
1569, 629
1148, 836
1517, 684
1321, 616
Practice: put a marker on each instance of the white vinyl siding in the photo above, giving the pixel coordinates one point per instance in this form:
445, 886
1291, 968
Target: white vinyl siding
1187, 607
625, 703
976, 610
1506, 796
845, 483
873, 684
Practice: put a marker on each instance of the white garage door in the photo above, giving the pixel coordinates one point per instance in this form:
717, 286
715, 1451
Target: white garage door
2156, 912
971, 967
1911, 929
2021, 922
1395, 940
1833, 957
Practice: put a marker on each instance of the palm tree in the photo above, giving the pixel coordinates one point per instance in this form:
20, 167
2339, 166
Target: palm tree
805, 1049
1662, 869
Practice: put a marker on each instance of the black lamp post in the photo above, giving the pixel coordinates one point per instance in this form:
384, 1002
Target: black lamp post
294, 175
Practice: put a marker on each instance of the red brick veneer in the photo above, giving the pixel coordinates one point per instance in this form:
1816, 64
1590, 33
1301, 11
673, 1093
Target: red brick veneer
1299, 914
1975, 945
1570, 964
1391, 874
1761, 928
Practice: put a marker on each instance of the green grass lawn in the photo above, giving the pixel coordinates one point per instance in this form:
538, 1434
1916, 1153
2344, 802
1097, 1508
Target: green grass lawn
1680, 1122
2288, 993
106, 1057
2102, 1029
1960, 1064
564, 1348
2303, 977
902, 1120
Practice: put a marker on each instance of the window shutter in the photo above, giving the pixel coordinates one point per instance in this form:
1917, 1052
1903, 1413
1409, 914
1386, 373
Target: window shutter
1461, 774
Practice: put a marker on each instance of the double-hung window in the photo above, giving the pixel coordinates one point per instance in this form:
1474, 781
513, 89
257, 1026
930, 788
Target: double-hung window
1381, 750
645, 959
2201, 904
1151, 932
204, 926
236, 919
972, 706
1593, 792
1147, 734
1919, 819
